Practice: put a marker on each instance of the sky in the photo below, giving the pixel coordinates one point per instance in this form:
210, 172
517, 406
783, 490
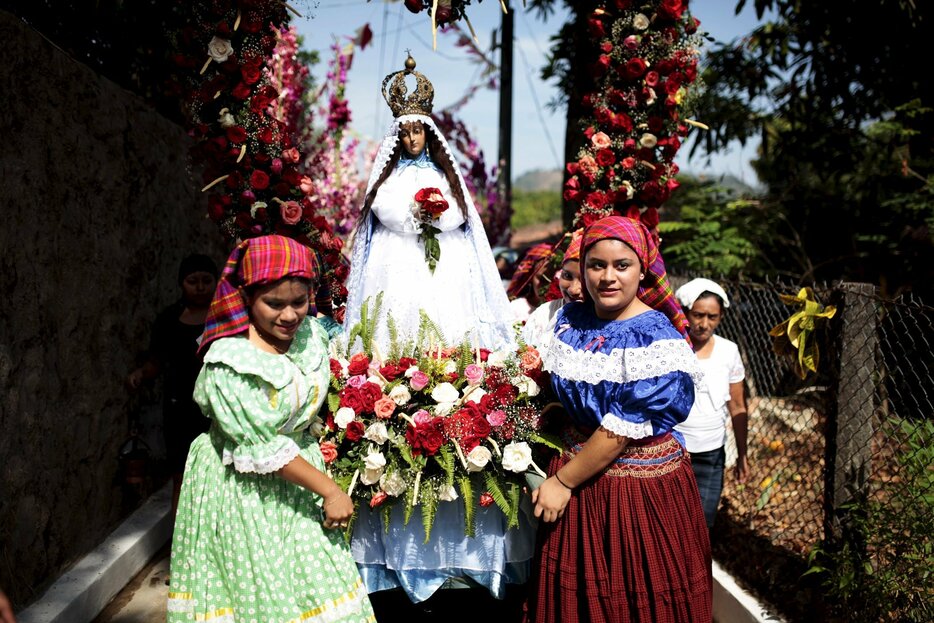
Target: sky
538, 132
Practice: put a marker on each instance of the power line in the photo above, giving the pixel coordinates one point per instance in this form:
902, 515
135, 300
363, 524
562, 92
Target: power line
538, 107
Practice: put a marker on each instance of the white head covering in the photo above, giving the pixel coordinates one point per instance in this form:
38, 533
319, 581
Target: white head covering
494, 327
691, 291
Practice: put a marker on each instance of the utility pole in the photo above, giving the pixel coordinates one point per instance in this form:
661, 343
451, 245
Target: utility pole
505, 106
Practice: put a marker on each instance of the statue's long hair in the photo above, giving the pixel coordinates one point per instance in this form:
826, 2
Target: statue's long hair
437, 154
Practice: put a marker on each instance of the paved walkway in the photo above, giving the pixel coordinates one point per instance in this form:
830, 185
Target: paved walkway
143, 599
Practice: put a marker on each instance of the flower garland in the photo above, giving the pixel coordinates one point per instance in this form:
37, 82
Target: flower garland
428, 425
248, 153
634, 125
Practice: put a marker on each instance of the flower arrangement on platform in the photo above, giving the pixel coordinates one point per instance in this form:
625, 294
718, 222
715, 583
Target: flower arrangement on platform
428, 424
634, 126
248, 153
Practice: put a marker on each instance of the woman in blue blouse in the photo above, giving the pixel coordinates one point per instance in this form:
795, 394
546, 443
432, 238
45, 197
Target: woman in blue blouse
624, 537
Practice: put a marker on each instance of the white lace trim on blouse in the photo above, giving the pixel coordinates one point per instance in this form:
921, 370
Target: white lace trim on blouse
620, 365
266, 465
624, 428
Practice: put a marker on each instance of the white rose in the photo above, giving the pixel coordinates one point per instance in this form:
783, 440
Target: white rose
526, 386
219, 49
476, 395
640, 22
517, 456
648, 140
226, 119
374, 460
393, 484
400, 394
448, 494
377, 433
371, 476
478, 458
376, 381
497, 358
410, 371
450, 367
445, 392
651, 98
344, 416
630, 191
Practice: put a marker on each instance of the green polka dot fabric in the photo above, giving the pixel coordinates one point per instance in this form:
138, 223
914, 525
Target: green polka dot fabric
249, 547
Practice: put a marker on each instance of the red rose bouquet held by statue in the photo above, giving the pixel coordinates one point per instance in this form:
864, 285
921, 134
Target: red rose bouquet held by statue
430, 204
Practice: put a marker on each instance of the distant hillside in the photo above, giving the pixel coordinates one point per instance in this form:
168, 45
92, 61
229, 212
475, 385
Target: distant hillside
539, 179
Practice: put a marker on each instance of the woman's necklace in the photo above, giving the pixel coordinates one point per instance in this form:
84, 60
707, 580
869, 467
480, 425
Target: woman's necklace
266, 341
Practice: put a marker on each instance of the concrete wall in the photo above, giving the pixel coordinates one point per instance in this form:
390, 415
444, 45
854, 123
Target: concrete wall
96, 210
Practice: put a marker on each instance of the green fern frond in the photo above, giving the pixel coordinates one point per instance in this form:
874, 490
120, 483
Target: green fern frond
394, 348
515, 496
547, 439
445, 458
409, 507
386, 511
493, 488
429, 504
467, 496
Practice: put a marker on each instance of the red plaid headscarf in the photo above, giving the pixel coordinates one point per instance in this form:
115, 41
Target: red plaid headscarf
528, 265
655, 290
255, 261
574, 248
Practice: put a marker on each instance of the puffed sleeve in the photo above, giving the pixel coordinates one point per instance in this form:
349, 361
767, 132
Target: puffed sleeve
393, 207
650, 406
243, 407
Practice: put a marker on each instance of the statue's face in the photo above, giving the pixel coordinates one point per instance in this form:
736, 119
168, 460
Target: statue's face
412, 135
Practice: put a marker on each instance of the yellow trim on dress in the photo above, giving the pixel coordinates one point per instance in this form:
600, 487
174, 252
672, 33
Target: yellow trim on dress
314, 612
213, 615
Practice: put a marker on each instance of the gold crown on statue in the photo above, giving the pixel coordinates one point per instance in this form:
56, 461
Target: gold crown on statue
400, 103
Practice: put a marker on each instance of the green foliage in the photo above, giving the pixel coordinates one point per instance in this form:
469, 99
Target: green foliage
395, 349
535, 207
466, 491
881, 566
428, 331
429, 503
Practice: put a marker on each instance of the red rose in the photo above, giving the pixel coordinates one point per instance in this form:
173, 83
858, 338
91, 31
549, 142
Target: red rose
328, 451
250, 73
236, 134
407, 362
359, 364
259, 180
353, 398
370, 392
505, 395
671, 9
634, 68
628, 162
266, 136
425, 438
602, 115
597, 31
241, 91
600, 67
692, 25
336, 368
486, 499
651, 78
431, 201
378, 498
354, 431
606, 46
605, 157
392, 371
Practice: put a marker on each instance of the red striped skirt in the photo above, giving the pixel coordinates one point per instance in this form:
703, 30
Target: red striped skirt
632, 544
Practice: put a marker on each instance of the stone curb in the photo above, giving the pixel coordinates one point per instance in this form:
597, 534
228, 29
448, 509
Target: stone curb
732, 604
83, 591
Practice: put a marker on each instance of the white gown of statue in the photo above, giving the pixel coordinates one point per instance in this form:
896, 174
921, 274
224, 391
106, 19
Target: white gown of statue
464, 297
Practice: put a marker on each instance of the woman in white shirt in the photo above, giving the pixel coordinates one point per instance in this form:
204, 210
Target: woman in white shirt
719, 398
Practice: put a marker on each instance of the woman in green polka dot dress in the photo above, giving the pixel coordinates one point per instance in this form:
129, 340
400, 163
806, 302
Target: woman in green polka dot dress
255, 538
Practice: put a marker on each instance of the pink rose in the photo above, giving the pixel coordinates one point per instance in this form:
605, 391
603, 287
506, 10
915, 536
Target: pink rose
328, 451
276, 166
378, 498
357, 381
474, 374
600, 140
419, 380
291, 212
306, 184
421, 417
291, 155
496, 417
384, 407
631, 42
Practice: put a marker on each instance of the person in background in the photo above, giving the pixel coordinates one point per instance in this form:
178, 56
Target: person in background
623, 537
541, 322
719, 398
524, 289
173, 353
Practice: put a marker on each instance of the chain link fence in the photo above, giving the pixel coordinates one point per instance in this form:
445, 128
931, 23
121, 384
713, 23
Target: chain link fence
842, 461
